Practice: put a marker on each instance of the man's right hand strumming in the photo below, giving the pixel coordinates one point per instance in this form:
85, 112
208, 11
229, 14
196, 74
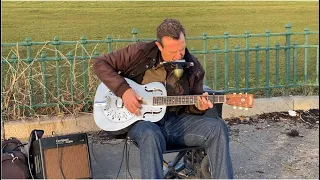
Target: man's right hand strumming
132, 101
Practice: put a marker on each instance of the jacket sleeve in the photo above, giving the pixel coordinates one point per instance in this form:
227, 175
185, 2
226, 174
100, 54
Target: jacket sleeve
197, 90
108, 67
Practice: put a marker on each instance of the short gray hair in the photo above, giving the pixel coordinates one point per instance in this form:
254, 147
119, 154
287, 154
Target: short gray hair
170, 27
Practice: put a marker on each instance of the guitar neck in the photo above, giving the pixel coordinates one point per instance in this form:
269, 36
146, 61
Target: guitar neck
185, 100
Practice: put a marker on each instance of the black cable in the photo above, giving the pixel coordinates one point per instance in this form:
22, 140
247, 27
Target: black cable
29, 162
19, 146
59, 157
126, 150
121, 160
30, 141
127, 159
94, 157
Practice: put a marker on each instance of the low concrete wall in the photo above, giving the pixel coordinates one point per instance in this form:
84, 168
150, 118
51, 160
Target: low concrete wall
61, 125
85, 123
276, 104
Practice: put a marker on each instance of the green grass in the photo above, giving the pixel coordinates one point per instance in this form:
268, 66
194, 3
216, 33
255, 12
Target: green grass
41, 21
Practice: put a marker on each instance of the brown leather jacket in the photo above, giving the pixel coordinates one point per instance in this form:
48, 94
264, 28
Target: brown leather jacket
132, 62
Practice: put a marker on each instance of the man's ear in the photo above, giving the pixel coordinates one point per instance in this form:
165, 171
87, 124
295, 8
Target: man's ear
159, 46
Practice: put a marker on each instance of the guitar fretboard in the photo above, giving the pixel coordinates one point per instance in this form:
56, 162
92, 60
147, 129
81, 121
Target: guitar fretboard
185, 100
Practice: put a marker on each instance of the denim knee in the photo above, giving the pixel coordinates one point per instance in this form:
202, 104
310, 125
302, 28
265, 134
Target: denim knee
218, 126
146, 132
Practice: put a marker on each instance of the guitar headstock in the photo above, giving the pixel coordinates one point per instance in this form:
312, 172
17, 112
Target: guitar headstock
240, 100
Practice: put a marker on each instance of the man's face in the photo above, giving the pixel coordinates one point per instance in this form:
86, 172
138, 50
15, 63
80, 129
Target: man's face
172, 49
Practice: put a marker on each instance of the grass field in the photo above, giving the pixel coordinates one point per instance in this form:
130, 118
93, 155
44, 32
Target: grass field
41, 21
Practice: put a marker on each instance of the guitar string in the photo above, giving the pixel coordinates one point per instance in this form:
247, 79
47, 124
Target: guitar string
182, 97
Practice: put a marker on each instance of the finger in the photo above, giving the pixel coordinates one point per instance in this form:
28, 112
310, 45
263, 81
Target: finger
136, 103
137, 112
207, 103
205, 94
131, 107
199, 103
139, 97
210, 104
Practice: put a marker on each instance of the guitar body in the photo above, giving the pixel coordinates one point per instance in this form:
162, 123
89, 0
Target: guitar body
111, 115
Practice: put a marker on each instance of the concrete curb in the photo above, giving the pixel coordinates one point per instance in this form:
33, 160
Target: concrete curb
85, 123
275, 104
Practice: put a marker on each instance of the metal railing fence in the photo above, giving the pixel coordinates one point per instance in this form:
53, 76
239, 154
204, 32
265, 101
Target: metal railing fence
240, 69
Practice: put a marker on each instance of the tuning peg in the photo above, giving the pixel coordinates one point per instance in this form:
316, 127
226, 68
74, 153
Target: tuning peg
234, 107
240, 93
246, 109
233, 93
240, 107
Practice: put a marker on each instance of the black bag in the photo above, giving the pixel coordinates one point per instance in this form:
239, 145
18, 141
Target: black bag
14, 161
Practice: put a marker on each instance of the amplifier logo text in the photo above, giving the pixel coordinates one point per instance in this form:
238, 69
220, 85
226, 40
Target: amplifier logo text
63, 141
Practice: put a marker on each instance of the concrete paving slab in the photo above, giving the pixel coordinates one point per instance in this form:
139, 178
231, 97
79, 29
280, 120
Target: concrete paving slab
260, 151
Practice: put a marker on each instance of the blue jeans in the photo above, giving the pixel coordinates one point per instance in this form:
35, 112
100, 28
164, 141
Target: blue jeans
188, 130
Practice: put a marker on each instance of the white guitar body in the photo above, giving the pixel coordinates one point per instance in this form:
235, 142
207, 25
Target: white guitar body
111, 115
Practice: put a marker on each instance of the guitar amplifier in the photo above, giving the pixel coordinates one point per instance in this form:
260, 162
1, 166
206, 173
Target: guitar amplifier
61, 157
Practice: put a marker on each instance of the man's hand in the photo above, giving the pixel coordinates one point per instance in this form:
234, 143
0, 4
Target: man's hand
132, 101
203, 103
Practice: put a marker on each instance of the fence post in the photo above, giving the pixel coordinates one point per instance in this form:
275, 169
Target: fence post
14, 57
204, 61
237, 47
56, 44
15, 90
85, 72
134, 33
247, 35
29, 59
109, 40
226, 58
294, 63
306, 32
267, 64
288, 34
257, 65
215, 63
44, 76
71, 59
277, 64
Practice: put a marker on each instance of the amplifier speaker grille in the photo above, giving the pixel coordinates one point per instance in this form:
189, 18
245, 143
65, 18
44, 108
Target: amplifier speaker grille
73, 159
